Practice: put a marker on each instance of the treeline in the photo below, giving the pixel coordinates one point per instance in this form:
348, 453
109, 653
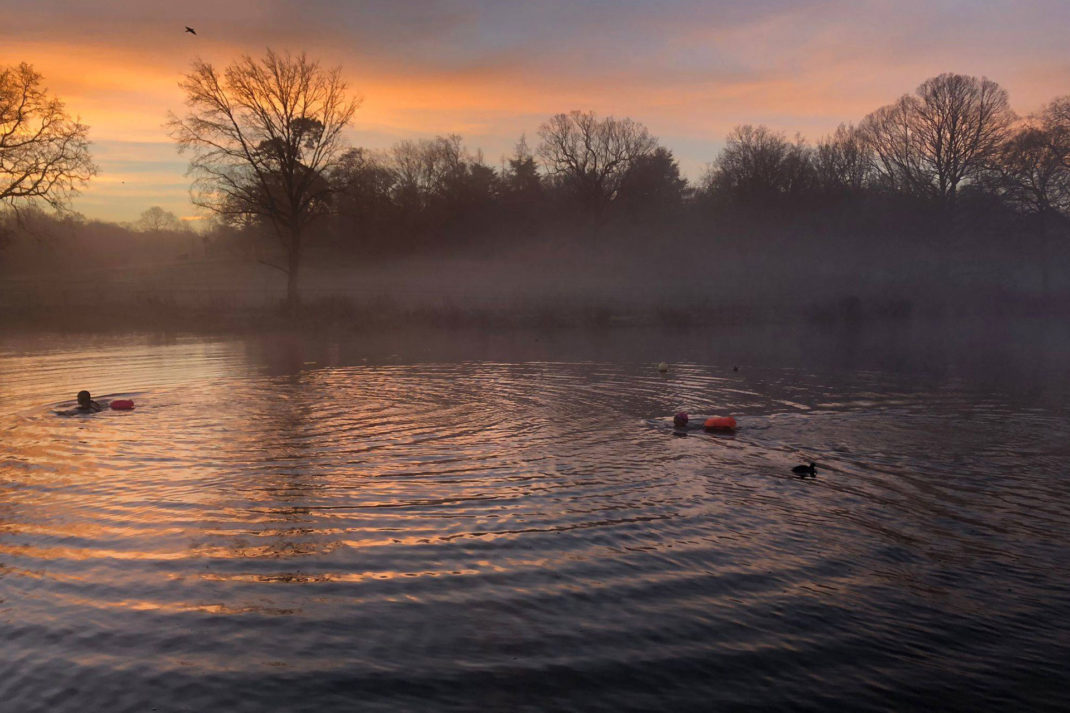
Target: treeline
944, 172
35, 240
951, 161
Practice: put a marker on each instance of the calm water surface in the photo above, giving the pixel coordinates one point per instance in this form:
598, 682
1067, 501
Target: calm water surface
508, 523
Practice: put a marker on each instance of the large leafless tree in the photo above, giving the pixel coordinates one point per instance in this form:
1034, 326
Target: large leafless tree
591, 155
945, 133
263, 135
44, 153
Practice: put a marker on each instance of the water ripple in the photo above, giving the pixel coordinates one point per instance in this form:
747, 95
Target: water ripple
521, 536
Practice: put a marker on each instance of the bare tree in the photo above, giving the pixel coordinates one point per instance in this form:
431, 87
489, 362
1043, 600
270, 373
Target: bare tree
156, 220
943, 134
591, 156
442, 189
1055, 118
362, 203
961, 121
1031, 170
758, 163
44, 154
430, 167
263, 135
890, 135
843, 161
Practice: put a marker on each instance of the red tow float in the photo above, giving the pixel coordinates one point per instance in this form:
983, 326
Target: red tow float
720, 423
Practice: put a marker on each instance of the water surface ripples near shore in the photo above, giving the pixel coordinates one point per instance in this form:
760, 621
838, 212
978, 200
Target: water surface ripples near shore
353, 533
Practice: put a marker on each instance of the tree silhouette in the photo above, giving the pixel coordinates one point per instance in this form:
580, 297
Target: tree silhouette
363, 184
759, 165
843, 163
156, 220
652, 185
1032, 170
263, 135
521, 178
44, 154
945, 133
590, 156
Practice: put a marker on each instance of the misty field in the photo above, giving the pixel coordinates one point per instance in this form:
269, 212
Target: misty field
650, 280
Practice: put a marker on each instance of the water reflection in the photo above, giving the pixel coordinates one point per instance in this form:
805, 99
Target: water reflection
413, 529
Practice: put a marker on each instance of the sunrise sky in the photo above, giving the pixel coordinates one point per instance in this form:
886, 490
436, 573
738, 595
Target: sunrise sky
491, 71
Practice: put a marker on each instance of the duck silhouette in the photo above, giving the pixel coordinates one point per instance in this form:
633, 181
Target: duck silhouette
805, 470
190, 30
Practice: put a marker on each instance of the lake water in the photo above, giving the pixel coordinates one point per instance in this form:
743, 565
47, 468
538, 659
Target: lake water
416, 522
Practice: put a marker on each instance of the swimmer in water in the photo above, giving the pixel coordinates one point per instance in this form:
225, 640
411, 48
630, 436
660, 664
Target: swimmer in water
683, 422
86, 404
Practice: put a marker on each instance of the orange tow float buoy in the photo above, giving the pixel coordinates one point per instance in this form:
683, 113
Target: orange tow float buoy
122, 404
720, 423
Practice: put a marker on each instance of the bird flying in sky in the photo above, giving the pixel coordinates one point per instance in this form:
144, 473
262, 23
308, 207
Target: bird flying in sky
190, 30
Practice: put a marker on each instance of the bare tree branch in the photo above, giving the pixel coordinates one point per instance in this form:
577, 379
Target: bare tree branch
44, 154
592, 156
945, 133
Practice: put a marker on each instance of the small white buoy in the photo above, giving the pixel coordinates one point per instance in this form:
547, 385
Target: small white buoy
663, 367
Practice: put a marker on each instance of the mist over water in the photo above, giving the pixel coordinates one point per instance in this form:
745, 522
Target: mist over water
468, 520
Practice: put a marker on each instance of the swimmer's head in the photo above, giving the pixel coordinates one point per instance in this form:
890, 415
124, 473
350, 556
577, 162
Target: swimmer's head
679, 420
84, 399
